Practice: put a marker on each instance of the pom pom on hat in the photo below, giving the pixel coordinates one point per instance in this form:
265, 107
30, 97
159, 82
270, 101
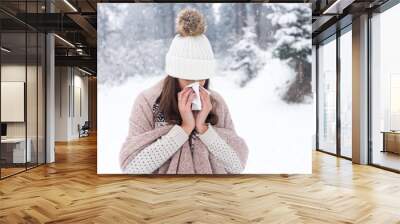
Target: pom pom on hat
190, 22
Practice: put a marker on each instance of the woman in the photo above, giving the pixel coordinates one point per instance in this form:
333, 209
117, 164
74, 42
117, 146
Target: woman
166, 136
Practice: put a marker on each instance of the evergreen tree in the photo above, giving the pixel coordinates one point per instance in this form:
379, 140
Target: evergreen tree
246, 54
293, 44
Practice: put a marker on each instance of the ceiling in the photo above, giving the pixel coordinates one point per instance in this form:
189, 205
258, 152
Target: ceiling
74, 22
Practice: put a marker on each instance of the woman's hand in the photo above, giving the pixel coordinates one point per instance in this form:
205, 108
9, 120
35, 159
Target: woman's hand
185, 98
201, 117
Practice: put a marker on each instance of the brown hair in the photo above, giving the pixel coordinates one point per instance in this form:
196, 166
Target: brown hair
168, 101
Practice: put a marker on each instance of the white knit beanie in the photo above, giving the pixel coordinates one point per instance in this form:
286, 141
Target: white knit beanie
190, 55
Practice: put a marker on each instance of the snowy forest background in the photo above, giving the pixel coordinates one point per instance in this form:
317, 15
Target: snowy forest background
263, 54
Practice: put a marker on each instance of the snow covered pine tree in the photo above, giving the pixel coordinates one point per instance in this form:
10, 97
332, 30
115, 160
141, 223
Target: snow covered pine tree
294, 45
247, 55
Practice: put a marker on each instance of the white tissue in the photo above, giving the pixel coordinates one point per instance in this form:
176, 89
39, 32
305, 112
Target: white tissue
196, 103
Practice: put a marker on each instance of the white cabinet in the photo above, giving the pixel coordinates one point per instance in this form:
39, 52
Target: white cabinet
18, 149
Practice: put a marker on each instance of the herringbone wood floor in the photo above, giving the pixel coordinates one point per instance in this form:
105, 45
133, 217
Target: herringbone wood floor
70, 191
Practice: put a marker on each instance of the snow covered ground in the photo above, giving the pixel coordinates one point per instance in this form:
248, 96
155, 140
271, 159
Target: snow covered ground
279, 135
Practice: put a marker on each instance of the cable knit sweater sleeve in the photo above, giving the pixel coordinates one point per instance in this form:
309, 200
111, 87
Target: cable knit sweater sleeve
223, 141
221, 150
153, 156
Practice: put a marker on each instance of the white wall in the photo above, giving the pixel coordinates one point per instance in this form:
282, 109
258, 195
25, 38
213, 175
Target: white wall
12, 73
34, 125
16, 73
79, 110
70, 83
62, 81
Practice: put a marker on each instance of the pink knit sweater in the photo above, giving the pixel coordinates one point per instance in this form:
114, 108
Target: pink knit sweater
143, 132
